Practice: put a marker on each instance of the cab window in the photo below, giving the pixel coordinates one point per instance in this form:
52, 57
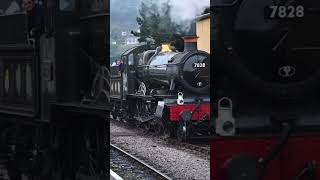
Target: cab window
94, 6
140, 57
130, 60
67, 5
9, 7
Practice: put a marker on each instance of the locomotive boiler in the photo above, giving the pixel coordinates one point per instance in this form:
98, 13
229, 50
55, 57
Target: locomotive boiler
178, 70
164, 90
266, 79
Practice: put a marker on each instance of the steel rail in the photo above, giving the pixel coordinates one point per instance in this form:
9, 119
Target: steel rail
194, 148
140, 162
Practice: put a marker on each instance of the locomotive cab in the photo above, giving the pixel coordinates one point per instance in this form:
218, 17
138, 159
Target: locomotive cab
54, 88
73, 39
19, 65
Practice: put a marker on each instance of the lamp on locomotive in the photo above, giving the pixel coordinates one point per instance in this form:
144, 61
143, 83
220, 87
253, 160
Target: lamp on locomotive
166, 47
36, 16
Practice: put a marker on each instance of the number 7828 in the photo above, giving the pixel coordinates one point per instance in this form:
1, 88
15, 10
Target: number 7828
287, 11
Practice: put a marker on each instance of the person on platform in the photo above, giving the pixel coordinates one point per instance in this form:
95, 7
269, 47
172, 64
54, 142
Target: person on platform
36, 16
120, 64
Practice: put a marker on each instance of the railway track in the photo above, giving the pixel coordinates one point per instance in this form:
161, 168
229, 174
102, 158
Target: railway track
129, 166
202, 149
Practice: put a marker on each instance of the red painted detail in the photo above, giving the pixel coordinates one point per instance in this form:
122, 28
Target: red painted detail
190, 39
197, 113
298, 151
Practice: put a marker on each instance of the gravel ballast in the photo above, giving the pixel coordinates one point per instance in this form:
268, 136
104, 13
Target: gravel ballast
175, 162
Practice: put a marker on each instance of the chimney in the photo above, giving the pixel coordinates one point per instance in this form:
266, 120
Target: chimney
190, 43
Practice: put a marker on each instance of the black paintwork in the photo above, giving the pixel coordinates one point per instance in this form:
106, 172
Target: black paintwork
54, 87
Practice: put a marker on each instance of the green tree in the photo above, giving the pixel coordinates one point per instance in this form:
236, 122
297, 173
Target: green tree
156, 25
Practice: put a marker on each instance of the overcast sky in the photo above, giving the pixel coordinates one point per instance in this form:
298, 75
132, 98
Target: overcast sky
124, 12
187, 9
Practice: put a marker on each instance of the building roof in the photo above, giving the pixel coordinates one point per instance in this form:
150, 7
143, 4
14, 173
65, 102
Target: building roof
203, 16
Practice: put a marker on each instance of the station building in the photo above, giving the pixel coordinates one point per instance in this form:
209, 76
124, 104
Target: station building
203, 32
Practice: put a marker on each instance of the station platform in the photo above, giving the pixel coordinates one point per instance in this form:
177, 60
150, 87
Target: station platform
114, 176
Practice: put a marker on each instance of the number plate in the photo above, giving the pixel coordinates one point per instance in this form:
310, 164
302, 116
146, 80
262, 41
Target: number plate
284, 12
199, 65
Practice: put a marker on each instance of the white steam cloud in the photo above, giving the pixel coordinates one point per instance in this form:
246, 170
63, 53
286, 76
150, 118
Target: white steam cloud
184, 11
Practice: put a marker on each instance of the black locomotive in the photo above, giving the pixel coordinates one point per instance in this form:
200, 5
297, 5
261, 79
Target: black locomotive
266, 80
267, 61
54, 89
164, 90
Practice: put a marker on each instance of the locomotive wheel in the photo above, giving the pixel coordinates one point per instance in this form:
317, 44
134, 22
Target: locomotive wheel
147, 127
152, 127
80, 149
168, 128
29, 163
158, 128
136, 124
90, 169
14, 175
114, 116
167, 132
182, 131
41, 167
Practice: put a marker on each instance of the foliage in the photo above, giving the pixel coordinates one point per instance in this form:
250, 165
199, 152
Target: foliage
156, 25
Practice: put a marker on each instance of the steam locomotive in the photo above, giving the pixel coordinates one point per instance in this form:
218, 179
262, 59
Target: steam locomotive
54, 94
266, 82
163, 90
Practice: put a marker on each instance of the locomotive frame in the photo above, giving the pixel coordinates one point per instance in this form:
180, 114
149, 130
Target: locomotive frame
54, 92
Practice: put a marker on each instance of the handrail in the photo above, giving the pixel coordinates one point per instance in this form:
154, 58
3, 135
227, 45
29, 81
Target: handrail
21, 46
94, 16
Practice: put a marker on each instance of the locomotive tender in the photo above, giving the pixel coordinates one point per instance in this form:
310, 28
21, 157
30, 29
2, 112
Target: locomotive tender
54, 89
266, 84
164, 90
